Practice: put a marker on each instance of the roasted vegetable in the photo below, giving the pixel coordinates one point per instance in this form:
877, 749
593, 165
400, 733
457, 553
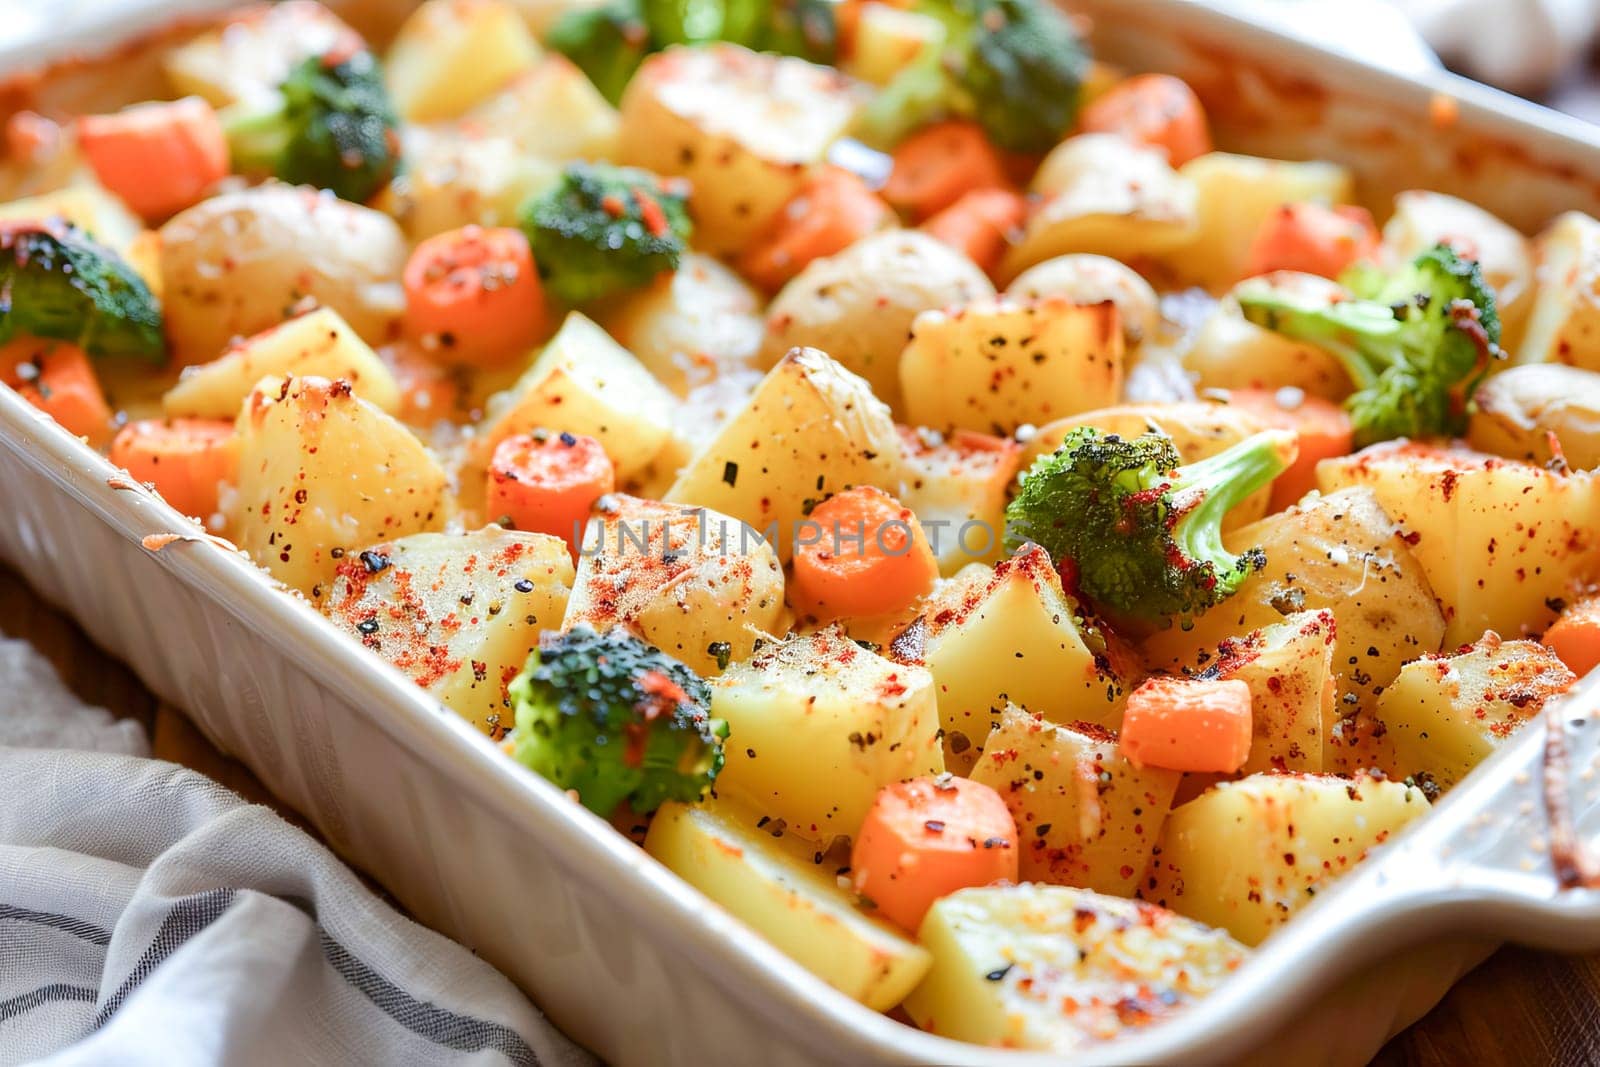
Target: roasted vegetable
58, 282
607, 43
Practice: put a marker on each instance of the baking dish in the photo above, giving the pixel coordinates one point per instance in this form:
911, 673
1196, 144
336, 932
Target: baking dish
632, 962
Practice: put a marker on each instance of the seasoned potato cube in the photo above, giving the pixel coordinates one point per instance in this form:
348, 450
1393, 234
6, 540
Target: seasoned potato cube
957, 485
1564, 316
323, 473
252, 54
1289, 669
817, 725
1230, 352
1445, 715
1085, 815
858, 306
811, 429
692, 582
1090, 279
1515, 412
887, 39
1048, 967
786, 898
744, 128
457, 612
997, 364
318, 343
1340, 552
456, 178
86, 204
584, 382
451, 54
1498, 540
1010, 634
552, 111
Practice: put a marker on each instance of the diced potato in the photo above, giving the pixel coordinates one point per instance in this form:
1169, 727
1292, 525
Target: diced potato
1230, 352
1246, 855
85, 204
1106, 195
958, 486
249, 56
1564, 314
1047, 967
1235, 195
455, 178
796, 905
858, 306
323, 473
690, 581
1010, 634
887, 39
584, 382
1085, 815
1340, 552
811, 429
1089, 279
1445, 715
1498, 540
994, 365
817, 725
743, 127
552, 111
452, 54
457, 612
1515, 412
1290, 671
318, 343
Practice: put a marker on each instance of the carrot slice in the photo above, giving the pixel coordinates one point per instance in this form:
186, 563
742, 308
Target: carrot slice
1154, 109
980, 224
927, 838
185, 459
1313, 239
429, 392
832, 211
864, 554
57, 378
473, 296
159, 157
1186, 724
1322, 430
547, 482
1575, 636
29, 135
937, 165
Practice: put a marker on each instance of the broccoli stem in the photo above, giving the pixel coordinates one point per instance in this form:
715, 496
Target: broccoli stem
1205, 491
258, 132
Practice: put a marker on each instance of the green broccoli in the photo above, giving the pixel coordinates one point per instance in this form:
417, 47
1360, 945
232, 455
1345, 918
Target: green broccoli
1016, 67
602, 229
805, 28
1137, 535
57, 282
330, 124
607, 43
1416, 342
615, 719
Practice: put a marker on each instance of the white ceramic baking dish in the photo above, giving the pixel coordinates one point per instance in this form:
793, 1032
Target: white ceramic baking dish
635, 964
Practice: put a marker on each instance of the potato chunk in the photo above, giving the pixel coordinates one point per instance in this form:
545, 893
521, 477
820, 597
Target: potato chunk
1245, 855
1091, 279
1564, 318
450, 54
1498, 540
1444, 715
958, 486
1230, 352
1289, 669
1047, 967
250, 55
786, 898
457, 612
459, 177
1085, 815
552, 111
1515, 412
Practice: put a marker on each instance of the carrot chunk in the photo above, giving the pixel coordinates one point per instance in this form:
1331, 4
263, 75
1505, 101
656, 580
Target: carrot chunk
939, 164
1322, 430
1575, 636
1313, 239
1153, 109
832, 211
547, 482
159, 157
187, 460
473, 295
864, 555
1185, 724
57, 378
925, 838
980, 225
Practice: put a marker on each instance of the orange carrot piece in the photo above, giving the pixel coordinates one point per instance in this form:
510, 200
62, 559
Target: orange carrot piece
57, 378
1313, 239
937, 165
980, 225
1575, 636
185, 459
1153, 109
926, 838
832, 211
473, 295
547, 482
1186, 724
865, 556
29, 135
1322, 430
159, 157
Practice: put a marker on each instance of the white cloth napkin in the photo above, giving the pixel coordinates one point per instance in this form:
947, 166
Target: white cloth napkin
149, 916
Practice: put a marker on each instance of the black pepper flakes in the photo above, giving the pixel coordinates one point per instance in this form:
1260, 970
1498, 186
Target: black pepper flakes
375, 562
730, 473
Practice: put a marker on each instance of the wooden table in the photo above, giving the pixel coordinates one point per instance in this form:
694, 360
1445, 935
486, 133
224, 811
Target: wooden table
1520, 1008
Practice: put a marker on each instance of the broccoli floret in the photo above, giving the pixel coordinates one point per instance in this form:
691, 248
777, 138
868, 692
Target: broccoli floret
330, 124
1416, 342
615, 719
1014, 66
602, 229
805, 28
57, 282
1139, 536
607, 43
